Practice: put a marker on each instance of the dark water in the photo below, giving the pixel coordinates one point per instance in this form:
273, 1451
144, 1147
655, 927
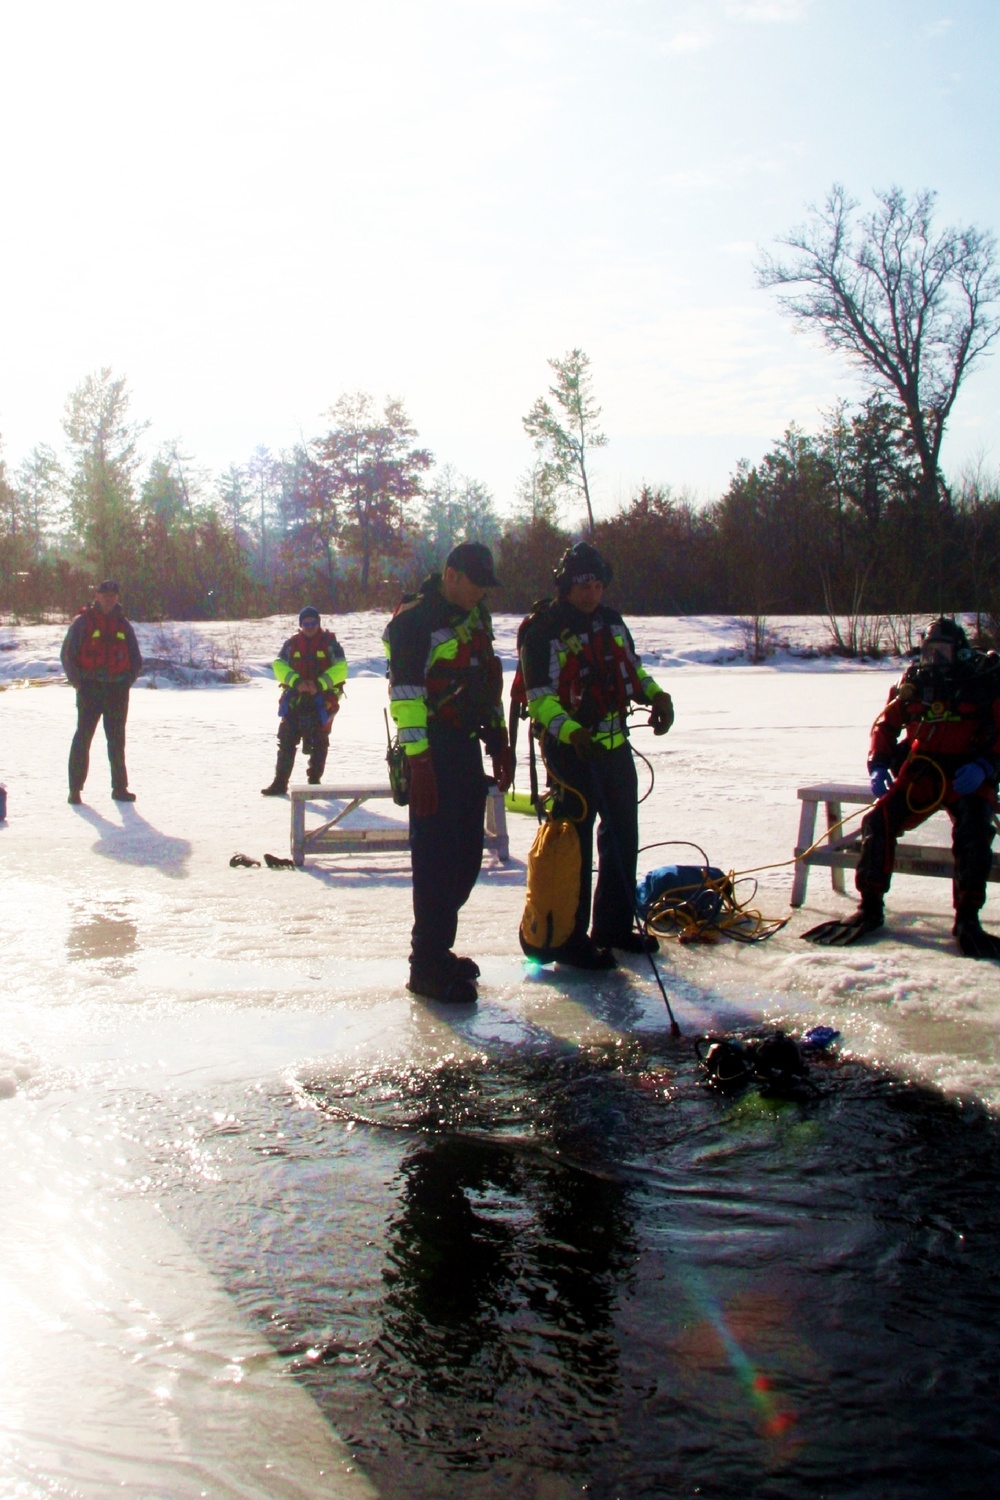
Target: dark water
551, 1274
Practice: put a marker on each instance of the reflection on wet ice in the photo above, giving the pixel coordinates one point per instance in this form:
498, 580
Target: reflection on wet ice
107, 935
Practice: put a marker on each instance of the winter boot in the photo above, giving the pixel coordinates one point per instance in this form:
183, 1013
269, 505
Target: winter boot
631, 942
581, 953
122, 794
464, 968
972, 940
278, 788
454, 989
74, 799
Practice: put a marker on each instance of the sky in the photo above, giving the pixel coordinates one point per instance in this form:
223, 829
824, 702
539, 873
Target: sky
248, 208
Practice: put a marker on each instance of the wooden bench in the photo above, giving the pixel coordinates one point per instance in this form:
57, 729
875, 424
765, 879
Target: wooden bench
842, 849
331, 837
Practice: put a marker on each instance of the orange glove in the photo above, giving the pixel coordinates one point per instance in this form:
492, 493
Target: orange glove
423, 785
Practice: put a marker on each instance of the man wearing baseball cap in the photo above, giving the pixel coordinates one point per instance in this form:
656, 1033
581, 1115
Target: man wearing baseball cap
312, 670
445, 687
101, 658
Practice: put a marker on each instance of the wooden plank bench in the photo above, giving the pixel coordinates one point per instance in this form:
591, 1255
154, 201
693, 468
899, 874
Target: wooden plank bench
841, 850
331, 837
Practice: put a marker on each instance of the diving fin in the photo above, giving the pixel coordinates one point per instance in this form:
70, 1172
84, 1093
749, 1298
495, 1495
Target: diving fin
842, 933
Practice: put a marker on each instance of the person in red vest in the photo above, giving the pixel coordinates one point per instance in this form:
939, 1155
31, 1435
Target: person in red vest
312, 670
101, 658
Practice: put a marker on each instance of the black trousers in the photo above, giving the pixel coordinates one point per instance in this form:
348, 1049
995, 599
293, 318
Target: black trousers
911, 799
610, 788
94, 701
446, 850
315, 743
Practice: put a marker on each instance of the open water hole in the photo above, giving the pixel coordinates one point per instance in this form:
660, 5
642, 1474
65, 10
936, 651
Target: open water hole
546, 1273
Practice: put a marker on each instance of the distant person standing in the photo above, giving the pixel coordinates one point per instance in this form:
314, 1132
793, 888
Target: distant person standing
101, 658
312, 670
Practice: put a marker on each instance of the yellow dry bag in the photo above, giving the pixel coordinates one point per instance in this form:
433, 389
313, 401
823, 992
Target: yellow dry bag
553, 889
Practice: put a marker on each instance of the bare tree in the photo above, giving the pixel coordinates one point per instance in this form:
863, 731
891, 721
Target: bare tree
911, 307
564, 437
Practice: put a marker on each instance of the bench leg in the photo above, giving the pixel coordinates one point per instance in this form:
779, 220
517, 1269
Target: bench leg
298, 832
833, 817
807, 832
496, 823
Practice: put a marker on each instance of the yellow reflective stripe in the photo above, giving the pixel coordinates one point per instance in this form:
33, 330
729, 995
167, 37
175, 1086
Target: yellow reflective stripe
284, 673
445, 650
409, 713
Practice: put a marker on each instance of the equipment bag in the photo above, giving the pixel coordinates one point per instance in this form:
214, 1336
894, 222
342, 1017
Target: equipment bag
553, 893
700, 887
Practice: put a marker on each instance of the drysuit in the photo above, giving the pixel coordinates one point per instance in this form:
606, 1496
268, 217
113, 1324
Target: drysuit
445, 684
307, 717
582, 671
949, 718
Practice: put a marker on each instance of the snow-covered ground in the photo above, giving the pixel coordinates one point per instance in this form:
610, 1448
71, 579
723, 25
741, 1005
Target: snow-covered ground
139, 966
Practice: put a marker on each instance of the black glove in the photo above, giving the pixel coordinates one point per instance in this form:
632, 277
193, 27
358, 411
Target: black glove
661, 713
586, 747
880, 778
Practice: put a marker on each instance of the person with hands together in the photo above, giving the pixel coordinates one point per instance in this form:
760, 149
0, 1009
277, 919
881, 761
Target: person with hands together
445, 686
312, 670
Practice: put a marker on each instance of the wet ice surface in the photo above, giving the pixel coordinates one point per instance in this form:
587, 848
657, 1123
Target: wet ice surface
550, 1272
577, 1267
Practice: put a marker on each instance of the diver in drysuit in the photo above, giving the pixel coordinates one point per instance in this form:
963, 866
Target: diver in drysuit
947, 708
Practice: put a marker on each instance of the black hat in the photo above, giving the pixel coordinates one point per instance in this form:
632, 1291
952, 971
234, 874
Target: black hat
109, 586
308, 612
580, 564
476, 561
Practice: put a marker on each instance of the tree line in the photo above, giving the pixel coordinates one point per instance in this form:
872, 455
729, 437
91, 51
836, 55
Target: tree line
856, 518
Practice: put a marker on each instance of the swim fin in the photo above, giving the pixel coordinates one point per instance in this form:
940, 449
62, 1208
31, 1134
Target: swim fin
841, 933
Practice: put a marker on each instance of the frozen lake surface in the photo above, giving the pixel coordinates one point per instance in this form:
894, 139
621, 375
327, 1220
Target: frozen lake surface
272, 1228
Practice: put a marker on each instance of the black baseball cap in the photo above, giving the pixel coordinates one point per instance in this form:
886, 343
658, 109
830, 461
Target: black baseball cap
109, 586
475, 560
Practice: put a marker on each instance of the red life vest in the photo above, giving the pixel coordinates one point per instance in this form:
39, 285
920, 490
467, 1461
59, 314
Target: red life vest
464, 690
311, 658
104, 648
597, 676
